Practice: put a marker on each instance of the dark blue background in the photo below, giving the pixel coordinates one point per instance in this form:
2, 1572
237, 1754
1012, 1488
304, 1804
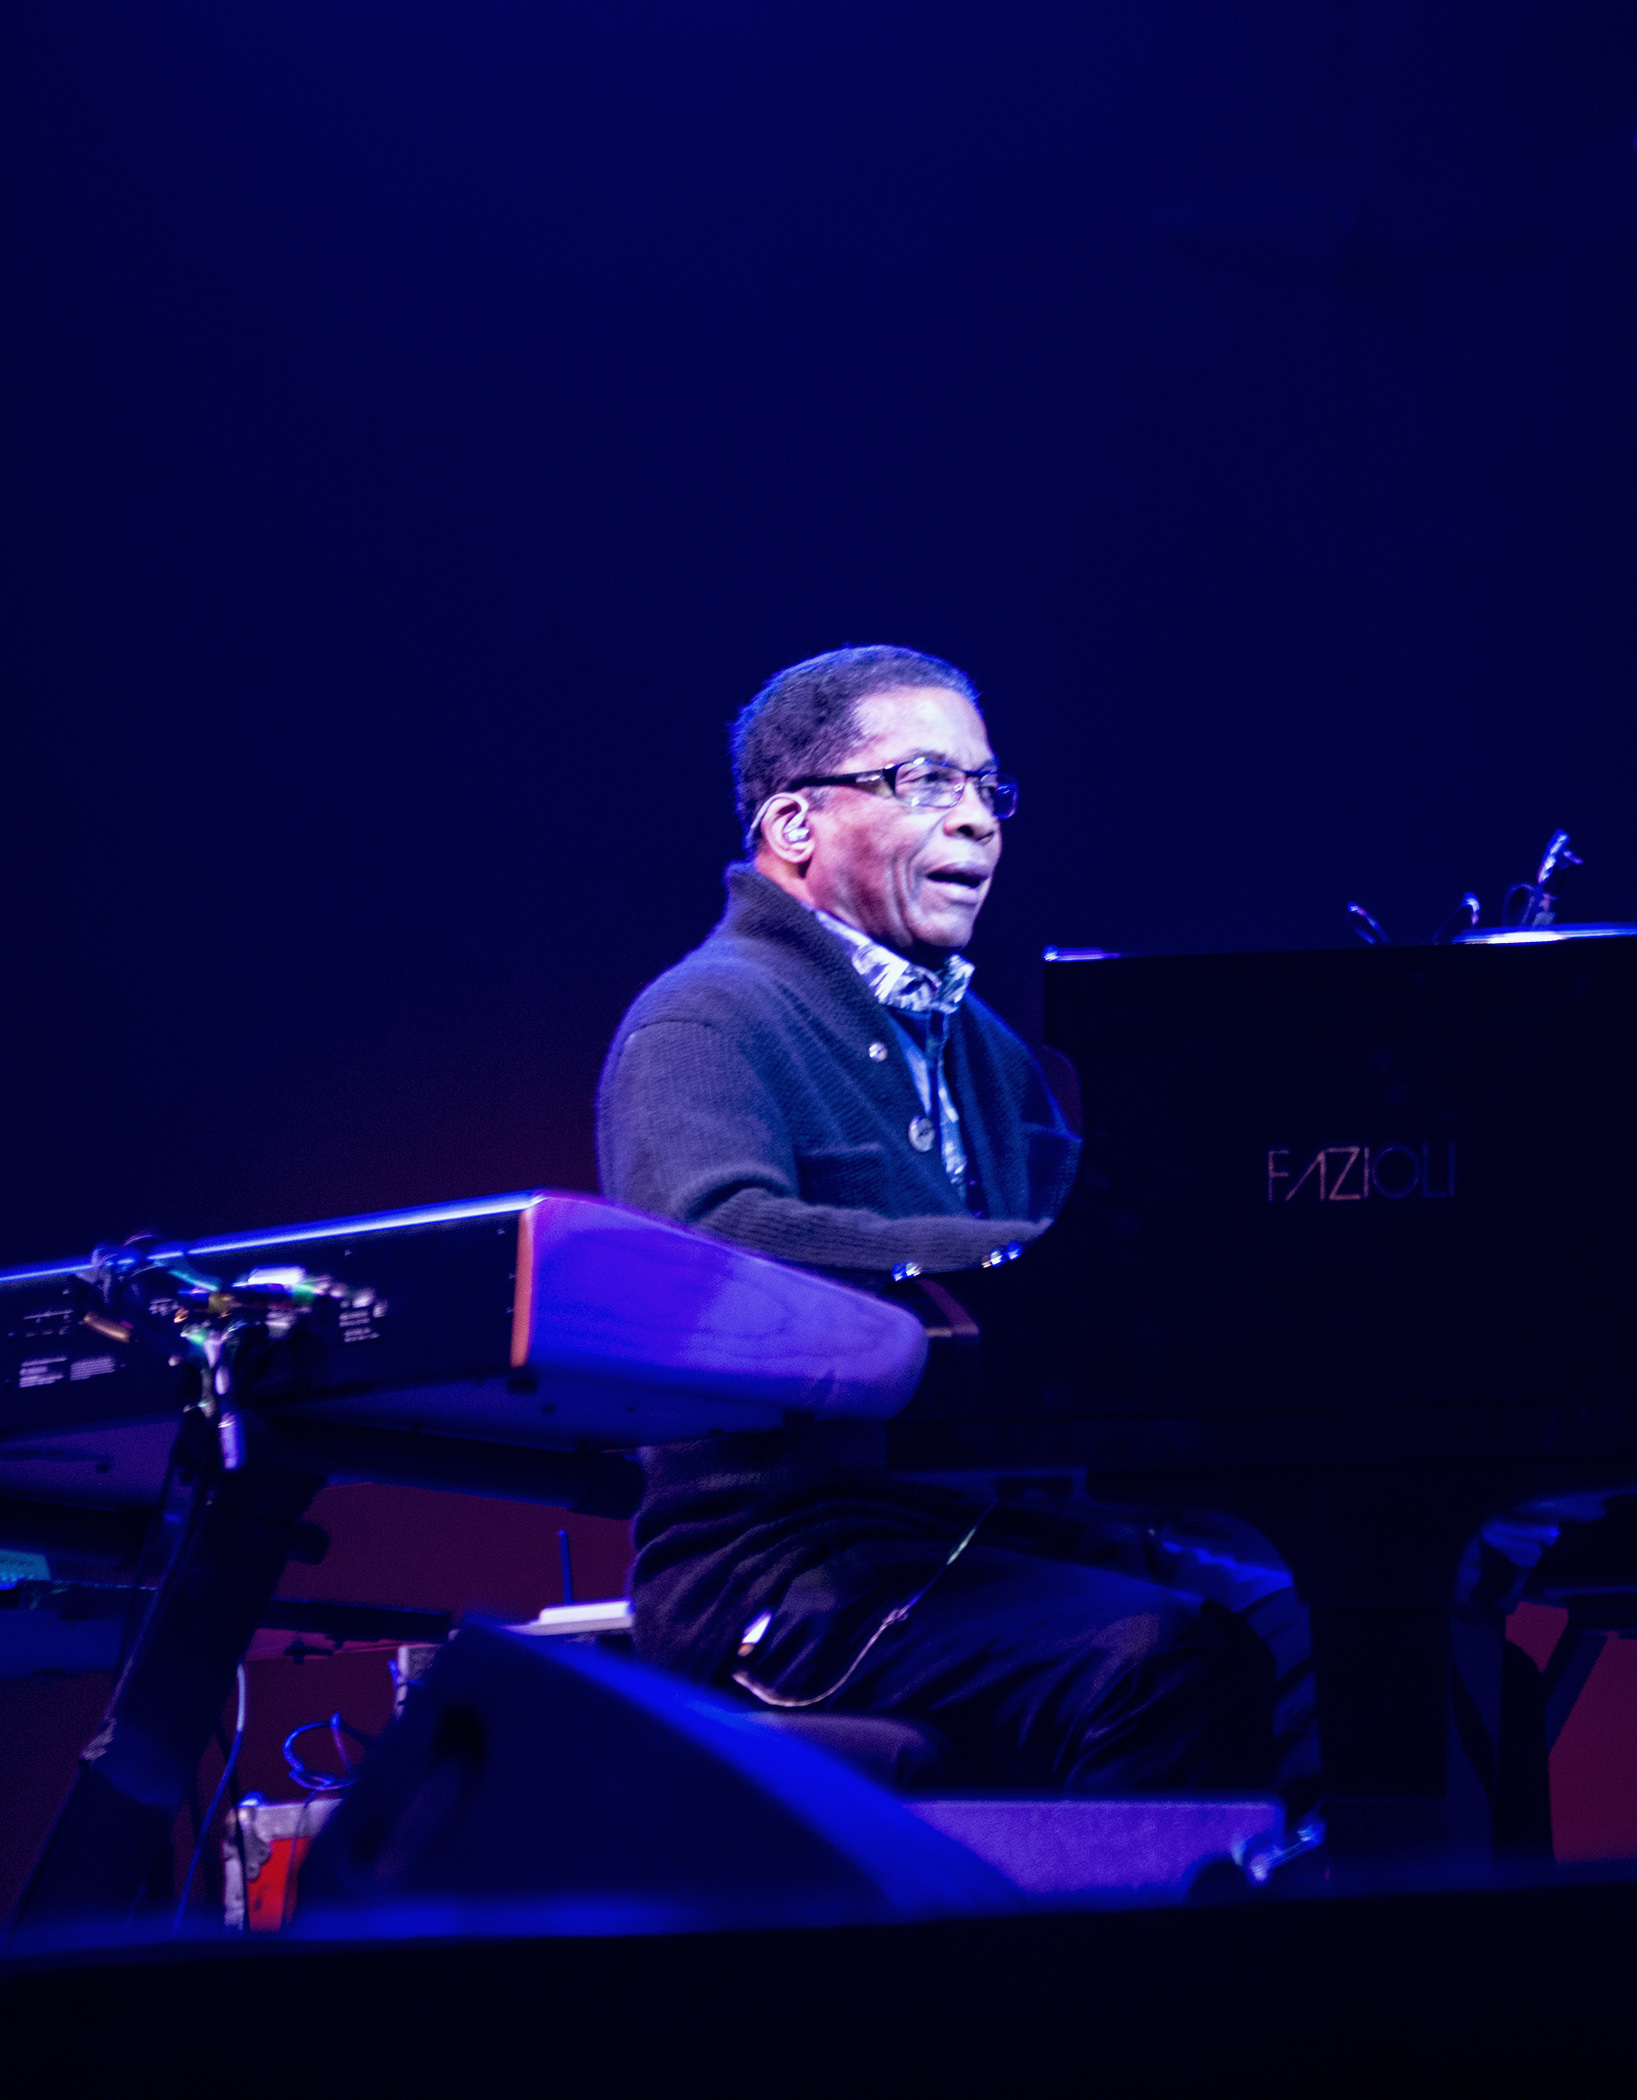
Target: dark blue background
427, 424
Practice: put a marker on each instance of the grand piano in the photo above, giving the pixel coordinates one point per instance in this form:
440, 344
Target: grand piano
1347, 1259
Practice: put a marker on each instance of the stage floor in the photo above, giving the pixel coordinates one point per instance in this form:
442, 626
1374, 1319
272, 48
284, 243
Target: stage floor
1496, 1992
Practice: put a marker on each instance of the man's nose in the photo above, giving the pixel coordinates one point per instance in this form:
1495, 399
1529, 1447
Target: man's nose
971, 817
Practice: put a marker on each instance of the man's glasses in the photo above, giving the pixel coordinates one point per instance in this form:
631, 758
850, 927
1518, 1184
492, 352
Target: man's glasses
926, 783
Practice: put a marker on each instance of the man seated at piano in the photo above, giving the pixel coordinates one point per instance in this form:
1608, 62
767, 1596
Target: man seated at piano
818, 1082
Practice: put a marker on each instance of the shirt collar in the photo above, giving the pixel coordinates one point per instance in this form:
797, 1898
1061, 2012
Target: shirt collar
907, 987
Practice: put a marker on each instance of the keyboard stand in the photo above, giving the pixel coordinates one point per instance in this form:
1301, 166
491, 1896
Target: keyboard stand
242, 1525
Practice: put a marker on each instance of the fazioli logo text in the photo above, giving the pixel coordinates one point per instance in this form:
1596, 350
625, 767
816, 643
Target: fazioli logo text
1354, 1173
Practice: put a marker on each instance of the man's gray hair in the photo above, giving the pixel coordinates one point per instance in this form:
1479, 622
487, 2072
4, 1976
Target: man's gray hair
805, 719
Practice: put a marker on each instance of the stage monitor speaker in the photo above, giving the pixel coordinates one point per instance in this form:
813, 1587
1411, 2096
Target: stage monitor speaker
546, 1785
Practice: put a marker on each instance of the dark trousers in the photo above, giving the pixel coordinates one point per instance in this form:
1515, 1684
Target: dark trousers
1052, 1676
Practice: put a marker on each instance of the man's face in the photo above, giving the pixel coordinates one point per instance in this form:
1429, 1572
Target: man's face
914, 879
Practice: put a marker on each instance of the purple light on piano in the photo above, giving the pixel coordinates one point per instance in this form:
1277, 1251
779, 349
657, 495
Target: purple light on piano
322, 1229
609, 1297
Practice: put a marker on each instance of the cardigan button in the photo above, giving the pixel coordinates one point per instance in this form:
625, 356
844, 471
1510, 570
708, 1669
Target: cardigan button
878, 1052
921, 1133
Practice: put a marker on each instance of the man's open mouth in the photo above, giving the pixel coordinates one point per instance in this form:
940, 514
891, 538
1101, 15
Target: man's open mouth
961, 878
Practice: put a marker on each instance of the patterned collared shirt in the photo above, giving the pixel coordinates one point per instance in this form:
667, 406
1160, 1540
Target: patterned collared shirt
920, 1003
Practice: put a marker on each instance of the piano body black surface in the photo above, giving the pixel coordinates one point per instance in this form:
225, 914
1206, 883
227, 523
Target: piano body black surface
1349, 1257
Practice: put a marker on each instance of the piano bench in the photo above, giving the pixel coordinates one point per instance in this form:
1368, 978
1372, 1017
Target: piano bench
1153, 1850
900, 1755
1122, 1851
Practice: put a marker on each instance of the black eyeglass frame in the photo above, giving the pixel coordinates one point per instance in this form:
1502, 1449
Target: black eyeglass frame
994, 787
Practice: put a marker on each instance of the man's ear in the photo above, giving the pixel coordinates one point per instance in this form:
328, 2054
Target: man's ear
785, 830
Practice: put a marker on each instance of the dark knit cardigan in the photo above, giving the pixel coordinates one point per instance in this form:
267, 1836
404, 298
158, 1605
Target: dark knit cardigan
741, 1095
